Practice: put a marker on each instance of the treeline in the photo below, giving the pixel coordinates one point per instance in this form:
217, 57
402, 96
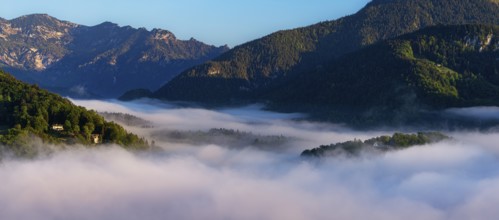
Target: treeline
26, 109
127, 119
378, 144
224, 137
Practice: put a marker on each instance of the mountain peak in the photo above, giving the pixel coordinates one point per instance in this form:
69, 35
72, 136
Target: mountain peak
32, 17
36, 15
108, 24
382, 1
256, 67
106, 57
33, 20
160, 34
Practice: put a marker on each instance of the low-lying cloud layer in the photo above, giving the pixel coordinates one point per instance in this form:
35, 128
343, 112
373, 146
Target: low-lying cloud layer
484, 113
247, 119
457, 179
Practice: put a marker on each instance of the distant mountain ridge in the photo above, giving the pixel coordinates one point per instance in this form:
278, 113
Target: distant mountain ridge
105, 59
251, 70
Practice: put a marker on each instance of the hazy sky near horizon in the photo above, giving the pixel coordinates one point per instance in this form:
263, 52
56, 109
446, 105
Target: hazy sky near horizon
215, 22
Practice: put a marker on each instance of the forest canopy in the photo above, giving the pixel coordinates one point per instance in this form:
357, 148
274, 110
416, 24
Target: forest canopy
26, 110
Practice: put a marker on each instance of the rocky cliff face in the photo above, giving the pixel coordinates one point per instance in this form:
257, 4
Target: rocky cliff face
104, 60
34, 42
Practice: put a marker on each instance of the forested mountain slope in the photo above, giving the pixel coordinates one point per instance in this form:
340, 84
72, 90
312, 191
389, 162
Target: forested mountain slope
432, 69
26, 110
248, 71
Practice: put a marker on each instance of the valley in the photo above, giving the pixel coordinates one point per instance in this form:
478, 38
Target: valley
388, 113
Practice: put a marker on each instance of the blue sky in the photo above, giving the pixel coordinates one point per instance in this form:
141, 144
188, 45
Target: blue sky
215, 22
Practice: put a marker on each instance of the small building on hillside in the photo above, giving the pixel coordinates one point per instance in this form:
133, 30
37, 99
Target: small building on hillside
95, 138
57, 127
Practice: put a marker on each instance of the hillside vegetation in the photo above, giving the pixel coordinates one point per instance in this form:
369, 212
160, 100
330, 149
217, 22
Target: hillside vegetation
397, 141
26, 111
248, 71
432, 69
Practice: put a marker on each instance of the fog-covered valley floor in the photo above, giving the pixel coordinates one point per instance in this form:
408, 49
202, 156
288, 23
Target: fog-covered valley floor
196, 176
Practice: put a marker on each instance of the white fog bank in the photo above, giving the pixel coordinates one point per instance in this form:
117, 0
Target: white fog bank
455, 179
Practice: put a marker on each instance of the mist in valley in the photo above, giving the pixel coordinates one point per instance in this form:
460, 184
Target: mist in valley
244, 163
